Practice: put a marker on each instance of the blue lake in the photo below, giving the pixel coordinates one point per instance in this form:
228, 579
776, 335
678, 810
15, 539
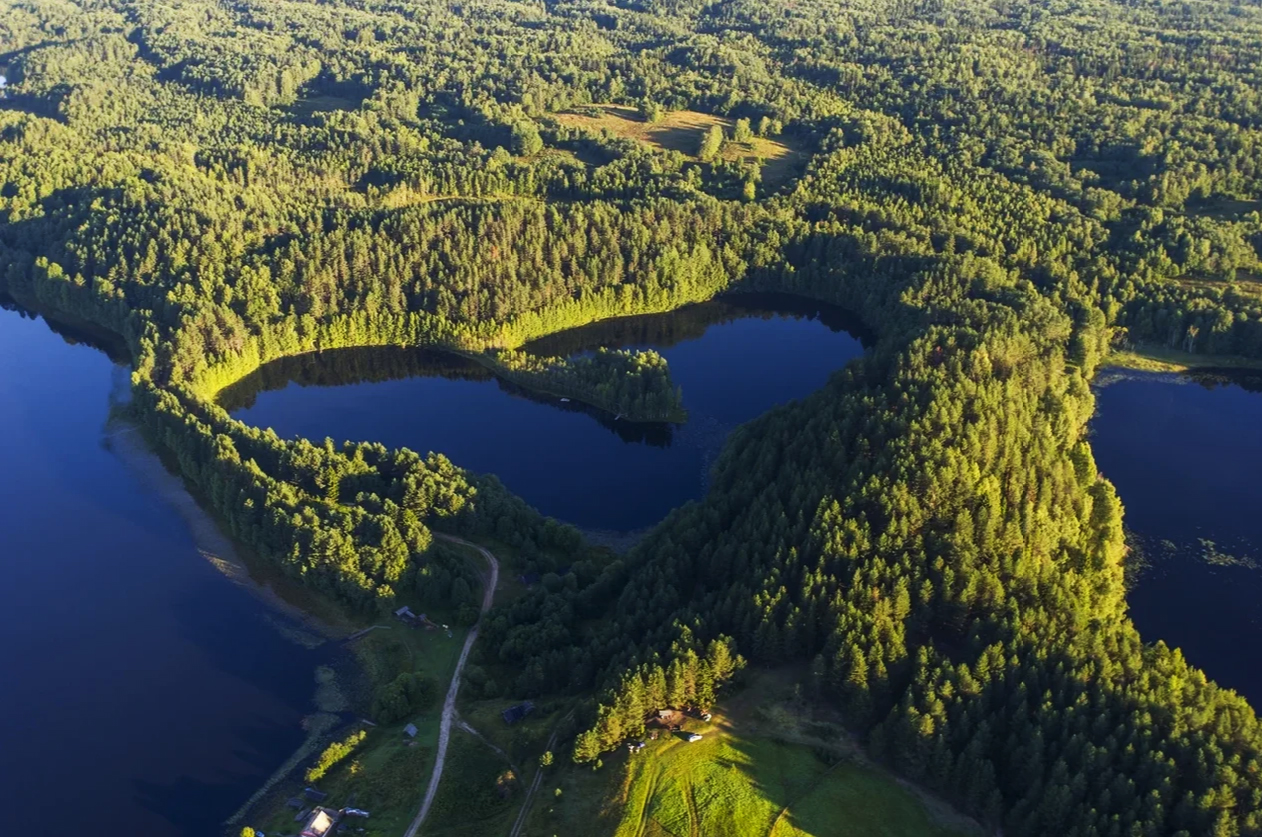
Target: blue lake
143, 692
733, 358
1186, 456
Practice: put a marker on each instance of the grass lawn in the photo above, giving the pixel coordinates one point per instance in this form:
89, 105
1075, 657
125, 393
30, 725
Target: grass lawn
682, 130
762, 769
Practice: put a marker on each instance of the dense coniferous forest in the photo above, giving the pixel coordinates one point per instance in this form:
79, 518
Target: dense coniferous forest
1001, 191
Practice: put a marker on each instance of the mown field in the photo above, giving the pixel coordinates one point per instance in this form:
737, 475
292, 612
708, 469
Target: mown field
682, 130
764, 768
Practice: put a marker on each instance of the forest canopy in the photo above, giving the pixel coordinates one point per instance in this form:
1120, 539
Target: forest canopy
1001, 191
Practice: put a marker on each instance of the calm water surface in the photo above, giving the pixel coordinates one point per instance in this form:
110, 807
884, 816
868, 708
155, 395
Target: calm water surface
1186, 457
142, 692
734, 359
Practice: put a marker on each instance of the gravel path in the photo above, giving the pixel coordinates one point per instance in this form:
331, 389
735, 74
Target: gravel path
449, 705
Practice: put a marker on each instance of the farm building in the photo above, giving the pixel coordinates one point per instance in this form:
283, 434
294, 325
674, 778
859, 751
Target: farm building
515, 713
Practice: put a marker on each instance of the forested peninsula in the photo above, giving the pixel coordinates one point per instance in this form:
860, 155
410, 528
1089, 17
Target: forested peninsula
1003, 193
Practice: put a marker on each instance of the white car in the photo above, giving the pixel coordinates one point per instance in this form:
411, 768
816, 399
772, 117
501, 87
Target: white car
692, 736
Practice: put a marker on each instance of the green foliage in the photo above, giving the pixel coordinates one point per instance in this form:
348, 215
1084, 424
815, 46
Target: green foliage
633, 384
405, 696
711, 143
1002, 191
526, 139
332, 754
691, 681
651, 112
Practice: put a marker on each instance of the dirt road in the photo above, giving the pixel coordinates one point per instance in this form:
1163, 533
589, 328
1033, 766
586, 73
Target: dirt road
449, 705
520, 822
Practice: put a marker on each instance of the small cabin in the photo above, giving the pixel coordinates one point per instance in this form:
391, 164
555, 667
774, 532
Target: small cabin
515, 713
320, 823
410, 730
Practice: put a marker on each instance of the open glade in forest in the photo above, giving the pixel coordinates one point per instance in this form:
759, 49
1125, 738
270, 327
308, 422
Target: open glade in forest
1002, 193
685, 131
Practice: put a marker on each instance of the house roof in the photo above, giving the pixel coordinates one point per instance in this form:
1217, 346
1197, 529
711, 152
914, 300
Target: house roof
318, 824
410, 730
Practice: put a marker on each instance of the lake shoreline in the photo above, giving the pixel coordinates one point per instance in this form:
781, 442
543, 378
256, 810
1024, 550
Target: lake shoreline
1161, 359
126, 441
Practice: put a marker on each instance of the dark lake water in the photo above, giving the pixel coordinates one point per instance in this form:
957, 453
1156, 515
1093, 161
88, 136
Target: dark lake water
733, 358
143, 693
1186, 457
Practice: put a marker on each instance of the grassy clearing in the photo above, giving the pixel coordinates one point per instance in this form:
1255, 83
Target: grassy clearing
1222, 208
682, 130
1161, 359
308, 106
479, 793
1246, 283
524, 741
765, 767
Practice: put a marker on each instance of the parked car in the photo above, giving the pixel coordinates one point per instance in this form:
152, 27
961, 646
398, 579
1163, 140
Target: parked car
692, 736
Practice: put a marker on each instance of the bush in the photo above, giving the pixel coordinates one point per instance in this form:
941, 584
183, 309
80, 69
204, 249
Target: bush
526, 139
332, 754
406, 695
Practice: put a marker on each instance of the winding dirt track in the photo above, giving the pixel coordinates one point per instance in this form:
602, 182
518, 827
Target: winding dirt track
520, 822
449, 705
